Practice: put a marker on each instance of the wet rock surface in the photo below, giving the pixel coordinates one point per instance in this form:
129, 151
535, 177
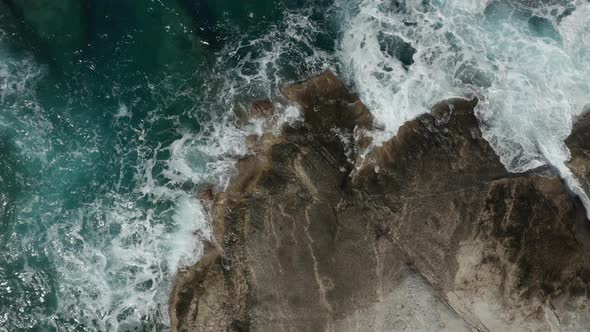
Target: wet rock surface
427, 232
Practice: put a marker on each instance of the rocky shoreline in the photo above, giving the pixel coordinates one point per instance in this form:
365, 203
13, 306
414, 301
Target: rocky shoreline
427, 232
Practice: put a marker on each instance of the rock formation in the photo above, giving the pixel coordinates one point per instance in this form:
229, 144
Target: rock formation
427, 232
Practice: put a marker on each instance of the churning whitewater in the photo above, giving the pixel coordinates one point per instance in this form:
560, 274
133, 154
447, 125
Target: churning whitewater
525, 60
99, 166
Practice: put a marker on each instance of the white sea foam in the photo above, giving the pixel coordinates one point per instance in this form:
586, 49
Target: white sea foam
471, 6
123, 111
207, 157
111, 261
388, 89
531, 84
17, 76
190, 217
117, 282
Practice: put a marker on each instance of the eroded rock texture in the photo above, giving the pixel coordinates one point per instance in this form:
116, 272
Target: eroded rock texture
427, 232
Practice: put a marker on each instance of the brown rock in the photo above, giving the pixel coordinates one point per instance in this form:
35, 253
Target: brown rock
339, 108
262, 109
207, 195
432, 233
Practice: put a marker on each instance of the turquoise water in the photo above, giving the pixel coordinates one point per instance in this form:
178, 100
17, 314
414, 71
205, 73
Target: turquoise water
113, 114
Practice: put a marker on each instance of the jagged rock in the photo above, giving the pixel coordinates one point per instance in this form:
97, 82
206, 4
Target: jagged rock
262, 109
327, 104
430, 232
579, 144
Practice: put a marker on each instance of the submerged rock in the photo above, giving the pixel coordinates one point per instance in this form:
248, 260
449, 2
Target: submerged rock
427, 232
398, 48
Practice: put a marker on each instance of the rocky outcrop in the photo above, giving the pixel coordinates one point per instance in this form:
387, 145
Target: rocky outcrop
427, 232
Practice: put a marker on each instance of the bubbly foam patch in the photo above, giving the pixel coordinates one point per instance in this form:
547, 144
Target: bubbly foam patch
387, 87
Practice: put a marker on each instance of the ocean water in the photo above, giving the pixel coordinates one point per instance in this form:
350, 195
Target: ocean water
114, 114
